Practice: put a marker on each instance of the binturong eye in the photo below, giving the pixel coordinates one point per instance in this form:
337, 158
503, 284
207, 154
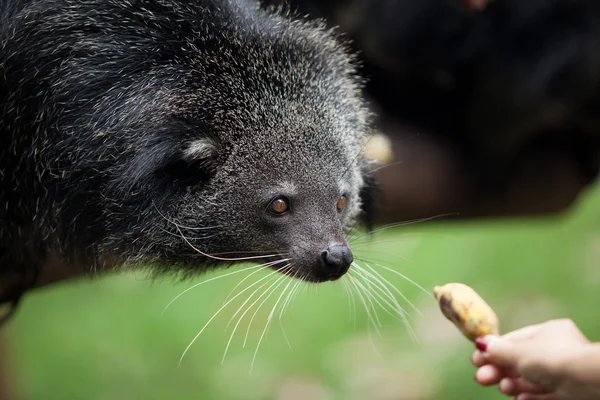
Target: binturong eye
279, 206
341, 203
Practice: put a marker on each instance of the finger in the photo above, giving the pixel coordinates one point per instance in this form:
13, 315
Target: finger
489, 375
504, 352
567, 326
478, 359
482, 343
515, 386
534, 396
522, 334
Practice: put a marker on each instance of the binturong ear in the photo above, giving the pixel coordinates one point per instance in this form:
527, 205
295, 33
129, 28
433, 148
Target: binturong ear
194, 163
169, 163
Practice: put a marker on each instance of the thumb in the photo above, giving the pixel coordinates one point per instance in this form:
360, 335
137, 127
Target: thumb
502, 352
505, 351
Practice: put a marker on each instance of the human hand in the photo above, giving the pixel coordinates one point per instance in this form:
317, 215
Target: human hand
534, 362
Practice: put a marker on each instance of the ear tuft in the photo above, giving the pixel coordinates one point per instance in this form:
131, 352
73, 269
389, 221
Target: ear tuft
193, 163
202, 150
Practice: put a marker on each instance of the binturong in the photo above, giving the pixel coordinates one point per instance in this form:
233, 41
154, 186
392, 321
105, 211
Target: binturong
181, 135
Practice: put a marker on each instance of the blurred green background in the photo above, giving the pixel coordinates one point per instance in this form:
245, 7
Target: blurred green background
107, 338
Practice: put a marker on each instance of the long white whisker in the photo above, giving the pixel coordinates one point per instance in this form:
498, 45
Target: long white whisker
257, 310
182, 226
384, 296
358, 292
369, 293
290, 295
373, 345
305, 288
397, 224
277, 282
405, 315
210, 280
252, 294
385, 166
283, 308
406, 278
370, 298
219, 310
382, 286
371, 241
396, 307
301, 283
269, 264
244, 252
354, 281
269, 318
373, 260
223, 258
345, 286
168, 232
285, 334
352, 300
395, 289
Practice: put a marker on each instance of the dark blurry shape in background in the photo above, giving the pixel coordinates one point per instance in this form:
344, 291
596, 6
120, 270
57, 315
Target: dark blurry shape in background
492, 111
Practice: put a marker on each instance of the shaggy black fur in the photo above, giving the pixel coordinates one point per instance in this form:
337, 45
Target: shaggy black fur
131, 131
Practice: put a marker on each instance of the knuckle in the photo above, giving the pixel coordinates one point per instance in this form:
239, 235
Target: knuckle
539, 372
561, 322
567, 322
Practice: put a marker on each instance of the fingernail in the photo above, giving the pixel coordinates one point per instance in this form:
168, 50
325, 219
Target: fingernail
505, 385
482, 344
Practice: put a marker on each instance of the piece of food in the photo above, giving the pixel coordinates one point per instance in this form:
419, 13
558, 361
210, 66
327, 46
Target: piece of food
467, 310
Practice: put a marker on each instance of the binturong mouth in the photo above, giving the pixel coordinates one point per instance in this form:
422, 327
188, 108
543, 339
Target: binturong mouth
321, 266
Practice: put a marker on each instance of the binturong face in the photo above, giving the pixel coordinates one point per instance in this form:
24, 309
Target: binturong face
286, 199
269, 151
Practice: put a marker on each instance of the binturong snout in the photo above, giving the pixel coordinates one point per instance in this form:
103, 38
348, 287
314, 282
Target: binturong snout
336, 261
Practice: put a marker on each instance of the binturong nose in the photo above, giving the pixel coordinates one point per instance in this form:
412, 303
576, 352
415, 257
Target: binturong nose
337, 259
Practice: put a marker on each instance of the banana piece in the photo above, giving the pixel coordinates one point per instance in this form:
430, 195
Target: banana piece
467, 310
